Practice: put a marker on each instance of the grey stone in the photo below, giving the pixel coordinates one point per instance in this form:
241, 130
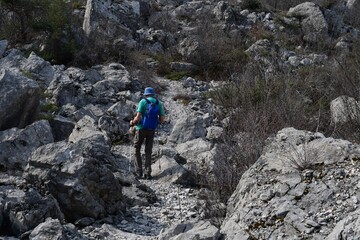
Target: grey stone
214, 132
203, 230
90, 76
353, 7
294, 61
61, 127
90, 110
347, 228
86, 128
344, 109
13, 59
78, 176
19, 100
168, 170
189, 48
53, 229
16, 145
100, 16
40, 69
187, 128
25, 210
313, 21
3, 46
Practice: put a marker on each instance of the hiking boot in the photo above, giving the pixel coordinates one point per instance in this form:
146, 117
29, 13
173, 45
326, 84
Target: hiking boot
147, 177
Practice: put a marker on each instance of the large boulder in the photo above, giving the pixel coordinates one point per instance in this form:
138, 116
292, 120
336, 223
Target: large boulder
354, 7
86, 128
74, 93
74, 75
19, 100
189, 48
61, 127
39, 69
16, 145
76, 174
24, 210
53, 229
155, 40
13, 59
200, 155
344, 109
313, 21
115, 79
202, 230
116, 122
188, 128
301, 187
109, 20
168, 170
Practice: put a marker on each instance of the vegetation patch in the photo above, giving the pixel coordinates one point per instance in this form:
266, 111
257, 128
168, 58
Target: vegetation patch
184, 99
49, 108
177, 75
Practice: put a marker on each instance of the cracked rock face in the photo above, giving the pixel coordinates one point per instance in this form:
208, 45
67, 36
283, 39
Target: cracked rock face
299, 191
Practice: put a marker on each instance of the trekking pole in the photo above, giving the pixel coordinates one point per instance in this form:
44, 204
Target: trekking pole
179, 199
131, 137
158, 146
130, 156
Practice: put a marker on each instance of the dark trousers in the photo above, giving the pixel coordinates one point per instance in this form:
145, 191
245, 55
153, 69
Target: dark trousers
141, 136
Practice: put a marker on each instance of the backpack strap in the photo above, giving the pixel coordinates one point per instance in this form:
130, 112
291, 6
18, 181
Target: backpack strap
148, 101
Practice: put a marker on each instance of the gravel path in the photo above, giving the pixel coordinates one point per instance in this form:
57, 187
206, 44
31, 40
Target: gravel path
175, 203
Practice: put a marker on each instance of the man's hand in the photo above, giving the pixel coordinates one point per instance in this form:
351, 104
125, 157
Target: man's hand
136, 119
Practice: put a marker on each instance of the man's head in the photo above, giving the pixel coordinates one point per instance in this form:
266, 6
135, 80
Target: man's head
149, 91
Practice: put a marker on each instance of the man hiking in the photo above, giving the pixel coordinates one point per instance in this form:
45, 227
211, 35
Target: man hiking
149, 113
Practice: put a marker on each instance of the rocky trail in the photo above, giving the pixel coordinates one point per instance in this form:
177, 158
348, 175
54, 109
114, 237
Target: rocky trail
175, 203
66, 160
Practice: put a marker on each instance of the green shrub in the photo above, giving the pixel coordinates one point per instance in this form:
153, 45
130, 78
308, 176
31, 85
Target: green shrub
49, 108
177, 75
219, 55
251, 4
163, 67
23, 21
27, 74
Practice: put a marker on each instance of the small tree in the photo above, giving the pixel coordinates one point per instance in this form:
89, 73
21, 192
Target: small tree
18, 16
24, 20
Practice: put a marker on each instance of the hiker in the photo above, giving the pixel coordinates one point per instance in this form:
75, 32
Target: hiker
149, 113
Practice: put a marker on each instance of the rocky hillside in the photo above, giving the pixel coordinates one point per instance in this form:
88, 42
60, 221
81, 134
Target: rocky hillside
66, 167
